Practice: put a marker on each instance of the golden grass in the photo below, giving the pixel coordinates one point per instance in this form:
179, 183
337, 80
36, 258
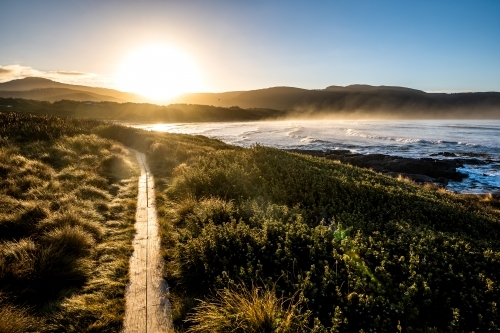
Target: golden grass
68, 201
18, 320
255, 310
361, 250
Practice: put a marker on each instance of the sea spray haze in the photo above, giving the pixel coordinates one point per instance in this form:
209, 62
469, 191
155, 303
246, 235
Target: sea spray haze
473, 140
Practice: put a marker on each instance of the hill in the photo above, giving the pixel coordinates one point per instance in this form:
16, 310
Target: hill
58, 94
353, 101
15, 87
359, 100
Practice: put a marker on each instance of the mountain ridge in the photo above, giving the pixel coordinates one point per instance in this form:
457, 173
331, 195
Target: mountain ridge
38, 83
359, 100
57, 94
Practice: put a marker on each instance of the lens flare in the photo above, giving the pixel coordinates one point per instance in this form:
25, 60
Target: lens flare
158, 72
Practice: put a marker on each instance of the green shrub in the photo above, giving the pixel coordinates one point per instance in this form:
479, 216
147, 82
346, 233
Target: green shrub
364, 251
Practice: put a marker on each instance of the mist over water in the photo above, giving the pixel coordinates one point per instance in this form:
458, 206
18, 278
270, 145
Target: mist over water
476, 139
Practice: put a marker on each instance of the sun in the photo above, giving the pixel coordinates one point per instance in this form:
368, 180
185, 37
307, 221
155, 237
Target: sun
158, 72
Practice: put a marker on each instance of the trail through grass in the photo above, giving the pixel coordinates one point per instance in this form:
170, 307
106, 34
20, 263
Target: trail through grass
256, 229
148, 309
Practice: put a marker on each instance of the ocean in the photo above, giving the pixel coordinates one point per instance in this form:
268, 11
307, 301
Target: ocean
465, 139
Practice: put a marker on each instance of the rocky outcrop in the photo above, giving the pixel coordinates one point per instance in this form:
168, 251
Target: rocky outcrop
420, 170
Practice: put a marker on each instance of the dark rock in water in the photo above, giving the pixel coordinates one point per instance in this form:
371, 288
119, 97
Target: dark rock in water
427, 167
445, 154
442, 180
338, 152
470, 161
318, 153
418, 178
496, 194
421, 170
472, 154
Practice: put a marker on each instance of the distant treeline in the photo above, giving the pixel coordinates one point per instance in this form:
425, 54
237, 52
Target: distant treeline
138, 112
299, 104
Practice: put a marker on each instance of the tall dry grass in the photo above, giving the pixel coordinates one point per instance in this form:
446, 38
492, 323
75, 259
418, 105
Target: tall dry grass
254, 310
67, 200
17, 320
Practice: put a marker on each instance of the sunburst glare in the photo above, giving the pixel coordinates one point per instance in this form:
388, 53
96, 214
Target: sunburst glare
158, 72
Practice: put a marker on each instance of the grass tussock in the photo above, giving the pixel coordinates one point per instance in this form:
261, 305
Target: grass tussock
68, 201
255, 310
18, 320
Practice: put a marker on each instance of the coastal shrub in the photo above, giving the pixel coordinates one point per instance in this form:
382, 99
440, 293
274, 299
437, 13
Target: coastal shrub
363, 251
17, 127
128, 136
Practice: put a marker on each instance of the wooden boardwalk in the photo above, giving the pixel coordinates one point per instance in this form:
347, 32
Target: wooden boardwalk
147, 308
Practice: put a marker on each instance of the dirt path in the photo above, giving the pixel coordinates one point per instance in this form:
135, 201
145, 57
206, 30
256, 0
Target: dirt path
147, 308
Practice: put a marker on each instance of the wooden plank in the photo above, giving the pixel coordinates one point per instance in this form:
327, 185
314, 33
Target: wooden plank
158, 306
147, 307
136, 302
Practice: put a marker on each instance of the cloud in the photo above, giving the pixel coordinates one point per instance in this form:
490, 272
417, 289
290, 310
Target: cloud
4, 71
70, 73
14, 72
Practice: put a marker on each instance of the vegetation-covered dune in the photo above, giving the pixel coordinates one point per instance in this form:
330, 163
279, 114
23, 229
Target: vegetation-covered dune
255, 240
262, 240
67, 208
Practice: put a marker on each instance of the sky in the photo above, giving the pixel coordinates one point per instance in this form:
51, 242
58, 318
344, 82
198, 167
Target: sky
445, 46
